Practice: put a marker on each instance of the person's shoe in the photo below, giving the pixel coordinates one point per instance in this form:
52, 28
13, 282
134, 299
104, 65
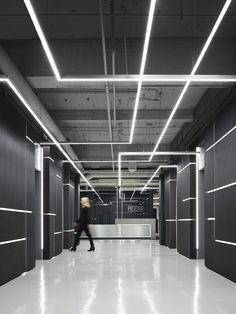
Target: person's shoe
73, 249
91, 249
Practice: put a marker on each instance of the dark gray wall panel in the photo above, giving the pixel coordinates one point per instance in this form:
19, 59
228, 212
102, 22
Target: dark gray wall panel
12, 261
225, 260
186, 188
209, 243
58, 243
162, 224
209, 205
52, 202
186, 238
12, 225
225, 165
30, 204
220, 170
225, 120
209, 170
12, 157
49, 241
168, 208
225, 214
68, 205
16, 192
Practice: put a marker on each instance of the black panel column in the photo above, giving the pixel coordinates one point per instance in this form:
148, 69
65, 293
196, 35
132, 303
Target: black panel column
170, 208
49, 193
59, 208
162, 210
68, 205
52, 203
186, 207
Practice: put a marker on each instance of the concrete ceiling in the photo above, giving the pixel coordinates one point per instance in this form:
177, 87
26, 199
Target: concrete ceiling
72, 28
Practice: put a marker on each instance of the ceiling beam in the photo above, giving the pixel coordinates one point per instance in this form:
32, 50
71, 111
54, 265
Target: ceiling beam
100, 115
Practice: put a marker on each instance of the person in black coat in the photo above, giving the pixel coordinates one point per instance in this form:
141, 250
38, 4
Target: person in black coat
82, 224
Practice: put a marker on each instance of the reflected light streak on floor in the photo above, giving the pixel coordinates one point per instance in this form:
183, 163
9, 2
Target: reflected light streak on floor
120, 277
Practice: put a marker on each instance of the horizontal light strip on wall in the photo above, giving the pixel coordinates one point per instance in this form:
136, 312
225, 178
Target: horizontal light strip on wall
70, 230
221, 187
15, 210
171, 180
210, 218
226, 242
189, 199
12, 241
49, 158
220, 139
170, 220
187, 219
49, 214
189, 164
68, 184
59, 232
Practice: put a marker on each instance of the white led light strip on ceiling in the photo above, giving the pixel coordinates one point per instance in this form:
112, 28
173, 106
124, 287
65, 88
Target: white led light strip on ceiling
194, 70
24, 102
155, 173
141, 77
166, 153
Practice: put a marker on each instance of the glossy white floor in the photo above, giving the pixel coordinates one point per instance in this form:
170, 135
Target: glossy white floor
125, 277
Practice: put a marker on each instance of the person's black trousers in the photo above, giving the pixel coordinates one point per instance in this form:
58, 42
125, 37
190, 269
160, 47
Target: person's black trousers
85, 228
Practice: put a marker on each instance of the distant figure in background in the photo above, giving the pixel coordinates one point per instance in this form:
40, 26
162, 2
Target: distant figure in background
82, 224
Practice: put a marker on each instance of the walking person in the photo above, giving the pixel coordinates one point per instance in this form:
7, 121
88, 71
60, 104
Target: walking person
82, 224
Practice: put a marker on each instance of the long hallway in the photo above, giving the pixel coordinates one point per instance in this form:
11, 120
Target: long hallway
121, 276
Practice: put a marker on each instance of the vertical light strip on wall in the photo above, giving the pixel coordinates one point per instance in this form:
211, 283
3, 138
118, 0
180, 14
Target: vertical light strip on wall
142, 67
195, 68
41, 200
197, 201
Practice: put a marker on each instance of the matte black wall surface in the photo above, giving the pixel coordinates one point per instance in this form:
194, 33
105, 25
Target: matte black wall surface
16, 193
169, 207
162, 225
220, 214
186, 207
68, 205
52, 203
